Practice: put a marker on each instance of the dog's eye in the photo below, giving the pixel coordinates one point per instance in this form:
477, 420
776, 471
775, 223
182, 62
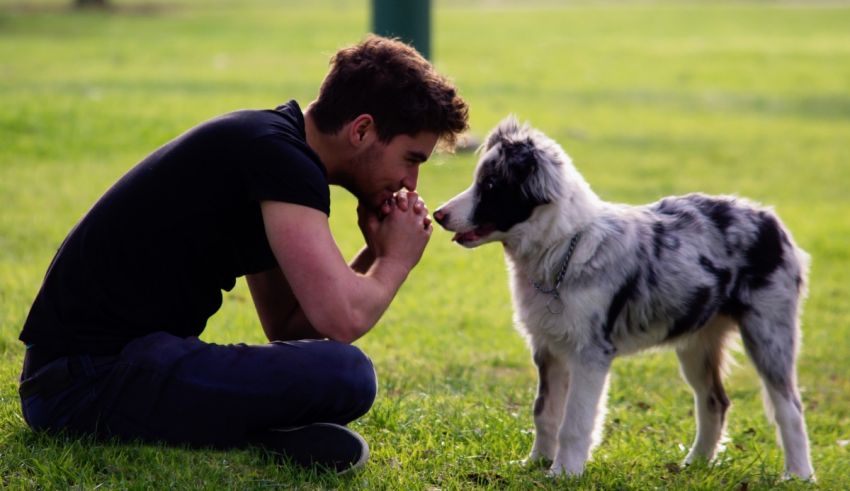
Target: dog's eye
488, 184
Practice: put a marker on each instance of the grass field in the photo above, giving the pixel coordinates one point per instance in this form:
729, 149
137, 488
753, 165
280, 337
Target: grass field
649, 99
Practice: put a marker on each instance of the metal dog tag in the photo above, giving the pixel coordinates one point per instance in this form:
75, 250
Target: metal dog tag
555, 305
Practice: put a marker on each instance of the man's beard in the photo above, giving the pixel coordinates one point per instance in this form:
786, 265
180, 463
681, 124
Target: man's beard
362, 165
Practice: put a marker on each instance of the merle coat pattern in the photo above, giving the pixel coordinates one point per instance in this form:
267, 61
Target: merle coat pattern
685, 272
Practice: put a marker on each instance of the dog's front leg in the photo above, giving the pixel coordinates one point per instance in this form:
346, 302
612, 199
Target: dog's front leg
585, 411
548, 406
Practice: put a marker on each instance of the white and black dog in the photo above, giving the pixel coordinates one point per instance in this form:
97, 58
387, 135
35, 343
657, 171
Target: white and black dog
592, 280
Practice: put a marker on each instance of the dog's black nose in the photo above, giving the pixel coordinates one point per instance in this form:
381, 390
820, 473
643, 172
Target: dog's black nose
441, 216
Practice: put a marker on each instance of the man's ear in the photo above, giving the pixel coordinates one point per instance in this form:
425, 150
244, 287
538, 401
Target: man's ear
361, 131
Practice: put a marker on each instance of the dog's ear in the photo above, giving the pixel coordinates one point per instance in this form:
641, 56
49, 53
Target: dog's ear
526, 168
501, 133
521, 158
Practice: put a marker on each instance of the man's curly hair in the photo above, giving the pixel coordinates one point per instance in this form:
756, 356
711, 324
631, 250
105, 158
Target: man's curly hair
393, 83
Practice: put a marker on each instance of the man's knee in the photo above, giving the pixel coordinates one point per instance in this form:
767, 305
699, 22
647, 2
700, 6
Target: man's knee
354, 378
334, 382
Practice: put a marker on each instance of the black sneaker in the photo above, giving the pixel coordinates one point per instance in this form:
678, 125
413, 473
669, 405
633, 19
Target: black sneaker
320, 444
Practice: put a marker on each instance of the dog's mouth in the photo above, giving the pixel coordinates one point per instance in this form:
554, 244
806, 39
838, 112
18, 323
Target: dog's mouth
474, 235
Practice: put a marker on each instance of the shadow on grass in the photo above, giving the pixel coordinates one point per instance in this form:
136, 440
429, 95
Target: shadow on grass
44, 460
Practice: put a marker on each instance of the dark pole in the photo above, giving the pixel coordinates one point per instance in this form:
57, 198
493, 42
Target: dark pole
97, 4
408, 20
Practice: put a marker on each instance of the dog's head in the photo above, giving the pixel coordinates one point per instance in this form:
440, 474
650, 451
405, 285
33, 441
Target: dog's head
517, 171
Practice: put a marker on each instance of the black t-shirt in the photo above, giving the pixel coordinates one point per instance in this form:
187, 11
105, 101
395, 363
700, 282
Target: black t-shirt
155, 252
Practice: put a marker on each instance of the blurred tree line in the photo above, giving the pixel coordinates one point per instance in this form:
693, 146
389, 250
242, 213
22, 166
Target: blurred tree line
90, 3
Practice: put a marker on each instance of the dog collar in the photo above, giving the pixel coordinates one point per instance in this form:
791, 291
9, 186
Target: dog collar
559, 278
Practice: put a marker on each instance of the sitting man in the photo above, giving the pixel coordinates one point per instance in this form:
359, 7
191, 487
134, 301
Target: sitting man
112, 346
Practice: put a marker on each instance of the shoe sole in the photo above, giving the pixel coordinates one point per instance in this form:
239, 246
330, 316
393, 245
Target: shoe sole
323, 430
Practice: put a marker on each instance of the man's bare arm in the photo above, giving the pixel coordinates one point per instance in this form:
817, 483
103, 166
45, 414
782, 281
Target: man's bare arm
280, 315
337, 301
362, 261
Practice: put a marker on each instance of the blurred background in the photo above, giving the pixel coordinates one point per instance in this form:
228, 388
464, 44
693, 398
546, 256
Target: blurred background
649, 98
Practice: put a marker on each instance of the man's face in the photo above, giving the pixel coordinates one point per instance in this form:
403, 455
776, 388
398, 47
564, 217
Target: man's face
386, 168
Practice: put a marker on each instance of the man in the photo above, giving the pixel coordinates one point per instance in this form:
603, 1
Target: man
112, 346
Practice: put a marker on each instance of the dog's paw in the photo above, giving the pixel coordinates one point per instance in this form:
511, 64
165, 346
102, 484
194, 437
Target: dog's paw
790, 476
696, 457
535, 462
693, 458
563, 470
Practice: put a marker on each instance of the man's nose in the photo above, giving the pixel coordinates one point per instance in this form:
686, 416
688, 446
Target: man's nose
410, 180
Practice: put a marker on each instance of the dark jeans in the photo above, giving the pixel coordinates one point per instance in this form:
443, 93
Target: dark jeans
185, 391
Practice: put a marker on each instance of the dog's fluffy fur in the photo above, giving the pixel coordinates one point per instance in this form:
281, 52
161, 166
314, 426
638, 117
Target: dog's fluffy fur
684, 271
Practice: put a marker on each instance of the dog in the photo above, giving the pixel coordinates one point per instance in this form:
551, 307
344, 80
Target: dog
591, 281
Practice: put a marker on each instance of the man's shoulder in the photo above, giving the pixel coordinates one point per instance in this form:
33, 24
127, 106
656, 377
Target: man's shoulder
253, 123
285, 119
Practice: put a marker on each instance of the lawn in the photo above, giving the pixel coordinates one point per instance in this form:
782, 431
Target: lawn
649, 99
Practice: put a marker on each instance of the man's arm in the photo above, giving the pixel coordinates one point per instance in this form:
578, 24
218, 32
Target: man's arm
338, 301
362, 261
280, 315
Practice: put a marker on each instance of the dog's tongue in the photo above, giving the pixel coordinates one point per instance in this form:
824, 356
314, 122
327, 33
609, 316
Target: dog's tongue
473, 235
465, 237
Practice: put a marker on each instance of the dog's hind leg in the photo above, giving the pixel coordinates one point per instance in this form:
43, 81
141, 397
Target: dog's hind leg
584, 411
701, 359
548, 406
770, 334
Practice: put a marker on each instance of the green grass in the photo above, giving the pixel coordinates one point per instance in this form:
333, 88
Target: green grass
649, 99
